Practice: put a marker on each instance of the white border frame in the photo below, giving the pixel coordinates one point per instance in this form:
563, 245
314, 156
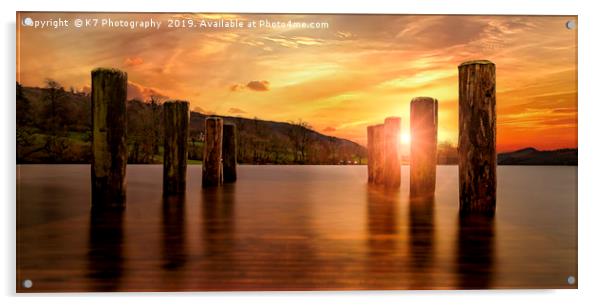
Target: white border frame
589, 150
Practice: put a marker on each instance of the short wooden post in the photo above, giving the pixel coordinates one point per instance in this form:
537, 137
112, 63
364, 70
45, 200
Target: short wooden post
477, 132
370, 146
379, 154
109, 149
229, 153
392, 143
176, 119
423, 149
212, 160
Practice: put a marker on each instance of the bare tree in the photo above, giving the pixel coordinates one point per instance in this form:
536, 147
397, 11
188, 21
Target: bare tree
54, 92
300, 136
155, 102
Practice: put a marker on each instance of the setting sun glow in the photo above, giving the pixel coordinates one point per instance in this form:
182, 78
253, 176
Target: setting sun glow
405, 138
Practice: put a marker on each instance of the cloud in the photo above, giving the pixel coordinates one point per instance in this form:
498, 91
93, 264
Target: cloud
294, 42
329, 129
237, 87
236, 110
343, 35
255, 85
140, 92
133, 61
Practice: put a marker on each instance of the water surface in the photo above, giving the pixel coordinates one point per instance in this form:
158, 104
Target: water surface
293, 228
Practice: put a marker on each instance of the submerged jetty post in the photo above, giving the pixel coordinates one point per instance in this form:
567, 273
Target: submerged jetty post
212, 159
379, 154
370, 145
392, 147
176, 120
423, 148
109, 149
476, 141
229, 153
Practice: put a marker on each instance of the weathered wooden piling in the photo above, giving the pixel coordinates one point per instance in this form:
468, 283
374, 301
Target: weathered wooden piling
476, 141
109, 148
379, 154
392, 147
423, 148
370, 145
176, 120
212, 160
229, 153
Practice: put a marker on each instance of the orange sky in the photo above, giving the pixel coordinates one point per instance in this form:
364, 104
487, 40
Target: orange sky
355, 73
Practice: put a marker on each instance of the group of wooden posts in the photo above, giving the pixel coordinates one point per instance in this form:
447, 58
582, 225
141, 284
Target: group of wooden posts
476, 143
109, 145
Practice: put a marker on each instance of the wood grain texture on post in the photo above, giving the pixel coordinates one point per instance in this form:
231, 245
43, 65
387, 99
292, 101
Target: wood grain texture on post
212, 159
392, 132
176, 118
370, 130
423, 148
229, 153
109, 147
379, 154
477, 137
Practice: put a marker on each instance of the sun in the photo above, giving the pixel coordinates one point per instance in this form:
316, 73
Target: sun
405, 138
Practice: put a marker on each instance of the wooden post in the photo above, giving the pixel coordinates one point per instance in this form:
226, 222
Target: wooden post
423, 154
176, 120
212, 160
379, 154
476, 142
229, 153
109, 149
392, 143
370, 146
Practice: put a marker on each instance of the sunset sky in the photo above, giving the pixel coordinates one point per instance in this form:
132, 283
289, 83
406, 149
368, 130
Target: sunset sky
355, 73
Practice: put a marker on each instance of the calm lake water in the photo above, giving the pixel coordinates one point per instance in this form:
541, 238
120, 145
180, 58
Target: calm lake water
293, 228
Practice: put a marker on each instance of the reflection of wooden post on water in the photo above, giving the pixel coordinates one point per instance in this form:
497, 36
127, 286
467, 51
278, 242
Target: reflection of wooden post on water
476, 142
423, 155
175, 146
229, 153
109, 150
392, 147
212, 160
378, 154
370, 153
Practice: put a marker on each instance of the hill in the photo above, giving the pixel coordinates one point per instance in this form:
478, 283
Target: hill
53, 126
532, 156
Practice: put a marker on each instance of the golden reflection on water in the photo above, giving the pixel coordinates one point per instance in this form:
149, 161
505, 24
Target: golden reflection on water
293, 228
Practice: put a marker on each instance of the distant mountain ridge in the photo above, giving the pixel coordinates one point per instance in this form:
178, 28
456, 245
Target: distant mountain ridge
532, 156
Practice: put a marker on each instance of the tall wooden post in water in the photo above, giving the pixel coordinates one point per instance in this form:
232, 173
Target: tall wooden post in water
229, 153
477, 132
423, 150
392, 146
370, 145
212, 159
109, 149
176, 119
379, 154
